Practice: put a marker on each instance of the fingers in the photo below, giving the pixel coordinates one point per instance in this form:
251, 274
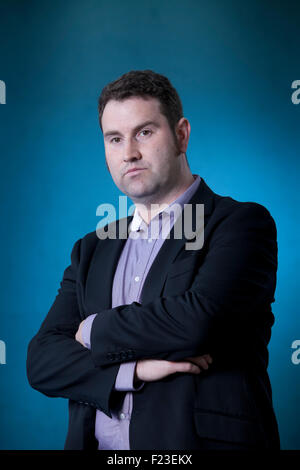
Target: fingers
149, 370
184, 367
208, 358
201, 361
78, 335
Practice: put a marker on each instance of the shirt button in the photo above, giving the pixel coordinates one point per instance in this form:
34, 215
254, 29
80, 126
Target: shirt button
122, 416
149, 240
137, 278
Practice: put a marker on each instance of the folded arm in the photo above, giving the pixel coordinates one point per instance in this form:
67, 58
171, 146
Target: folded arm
133, 375
230, 294
230, 297
57, 365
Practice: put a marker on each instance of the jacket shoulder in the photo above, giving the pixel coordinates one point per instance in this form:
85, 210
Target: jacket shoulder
228, 205
90, 240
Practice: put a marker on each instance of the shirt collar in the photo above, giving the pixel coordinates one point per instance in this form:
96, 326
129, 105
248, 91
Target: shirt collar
137, 222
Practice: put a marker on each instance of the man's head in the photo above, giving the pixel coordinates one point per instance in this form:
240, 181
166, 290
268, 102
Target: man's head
142, 121
146, 84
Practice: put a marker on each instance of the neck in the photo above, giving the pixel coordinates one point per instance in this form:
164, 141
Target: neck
149, 210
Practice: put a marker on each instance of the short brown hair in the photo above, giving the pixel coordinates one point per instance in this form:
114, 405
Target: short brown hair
147, 84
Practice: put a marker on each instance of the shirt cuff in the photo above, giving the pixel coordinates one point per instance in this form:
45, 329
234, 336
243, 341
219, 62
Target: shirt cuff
86, 330
125, 377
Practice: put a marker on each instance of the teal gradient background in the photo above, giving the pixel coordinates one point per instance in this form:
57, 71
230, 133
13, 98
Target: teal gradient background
233, 64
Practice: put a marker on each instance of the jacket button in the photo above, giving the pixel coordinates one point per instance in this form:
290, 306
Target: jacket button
124, 355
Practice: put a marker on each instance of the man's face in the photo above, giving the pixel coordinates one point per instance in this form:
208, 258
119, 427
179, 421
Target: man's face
137, 135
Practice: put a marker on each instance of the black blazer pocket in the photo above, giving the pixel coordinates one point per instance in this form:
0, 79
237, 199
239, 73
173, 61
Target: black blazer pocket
180, 278
182, 266
228, 428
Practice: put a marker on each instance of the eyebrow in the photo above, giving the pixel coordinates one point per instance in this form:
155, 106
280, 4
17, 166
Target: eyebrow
136, 129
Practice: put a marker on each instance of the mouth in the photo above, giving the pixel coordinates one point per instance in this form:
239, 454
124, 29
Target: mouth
134, 171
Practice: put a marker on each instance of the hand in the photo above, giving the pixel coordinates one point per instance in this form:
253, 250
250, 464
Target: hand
78, 335
149, 370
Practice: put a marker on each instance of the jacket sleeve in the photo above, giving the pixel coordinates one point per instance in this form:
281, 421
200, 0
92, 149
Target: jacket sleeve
125, 378
225, 309
59, 366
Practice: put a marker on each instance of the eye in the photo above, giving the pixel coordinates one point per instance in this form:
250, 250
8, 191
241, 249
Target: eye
145, 132
115, 140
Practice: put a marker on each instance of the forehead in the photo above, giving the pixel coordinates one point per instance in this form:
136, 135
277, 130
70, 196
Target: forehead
131, 112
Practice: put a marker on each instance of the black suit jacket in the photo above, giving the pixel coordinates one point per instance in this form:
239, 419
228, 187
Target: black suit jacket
216, 299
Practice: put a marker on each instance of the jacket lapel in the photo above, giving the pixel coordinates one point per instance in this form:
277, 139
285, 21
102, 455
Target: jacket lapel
100, 277
173, 248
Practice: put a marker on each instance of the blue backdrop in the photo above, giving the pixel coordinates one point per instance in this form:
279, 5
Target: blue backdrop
233, 64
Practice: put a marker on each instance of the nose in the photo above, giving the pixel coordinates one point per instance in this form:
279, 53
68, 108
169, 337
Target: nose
131, 151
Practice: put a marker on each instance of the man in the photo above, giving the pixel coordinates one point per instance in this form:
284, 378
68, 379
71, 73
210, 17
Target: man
155, 345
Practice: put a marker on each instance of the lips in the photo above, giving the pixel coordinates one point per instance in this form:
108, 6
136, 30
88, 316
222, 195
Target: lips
134, 170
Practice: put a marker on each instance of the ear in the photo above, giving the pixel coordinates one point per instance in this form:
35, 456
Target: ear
183, 130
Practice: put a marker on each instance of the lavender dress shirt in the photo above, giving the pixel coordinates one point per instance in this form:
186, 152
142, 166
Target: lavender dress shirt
140, 249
